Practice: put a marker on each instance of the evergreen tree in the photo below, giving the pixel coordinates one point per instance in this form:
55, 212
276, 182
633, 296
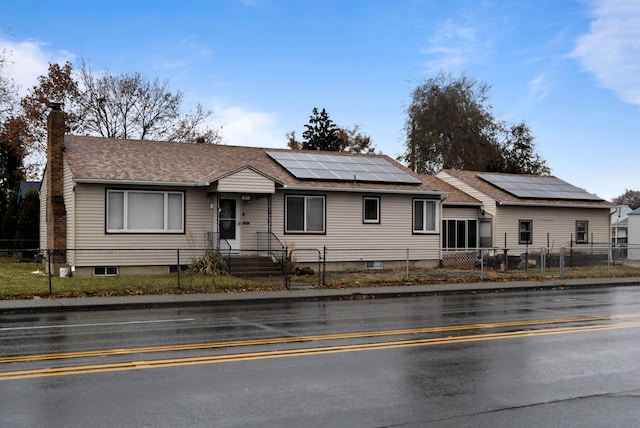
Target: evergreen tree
321, 133
28, 220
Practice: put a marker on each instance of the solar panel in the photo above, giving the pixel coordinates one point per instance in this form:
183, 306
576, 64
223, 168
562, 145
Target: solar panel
314, 166
538, 187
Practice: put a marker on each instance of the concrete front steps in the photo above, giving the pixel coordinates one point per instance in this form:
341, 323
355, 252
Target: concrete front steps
254, 267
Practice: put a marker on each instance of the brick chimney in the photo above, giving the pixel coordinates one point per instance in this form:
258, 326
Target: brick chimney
56, 212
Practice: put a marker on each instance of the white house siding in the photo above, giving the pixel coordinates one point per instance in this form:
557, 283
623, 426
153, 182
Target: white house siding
459, 213
254, 219
348, 239
488, 203
246, 181
90, 231
43, 213
69, 205
558, 222
634, 236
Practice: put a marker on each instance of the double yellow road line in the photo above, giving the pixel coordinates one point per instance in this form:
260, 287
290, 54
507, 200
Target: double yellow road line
173, 362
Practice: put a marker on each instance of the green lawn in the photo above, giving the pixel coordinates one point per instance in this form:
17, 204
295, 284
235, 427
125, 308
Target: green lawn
25, 279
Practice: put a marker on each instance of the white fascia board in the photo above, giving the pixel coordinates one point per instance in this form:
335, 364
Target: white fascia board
342, 189
549, 205
139, 183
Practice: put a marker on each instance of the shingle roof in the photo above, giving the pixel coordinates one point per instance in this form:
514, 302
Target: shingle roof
472, 179
454, 195
95, 159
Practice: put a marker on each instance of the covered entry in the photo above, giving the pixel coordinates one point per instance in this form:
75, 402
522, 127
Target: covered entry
242, 201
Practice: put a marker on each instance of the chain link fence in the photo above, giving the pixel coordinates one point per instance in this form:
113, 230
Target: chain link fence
28, 272
420, 265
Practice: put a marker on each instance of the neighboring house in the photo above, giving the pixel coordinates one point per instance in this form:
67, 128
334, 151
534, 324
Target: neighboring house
619, 224
633, 252
533, 211
123, 194
26, 187
460, 219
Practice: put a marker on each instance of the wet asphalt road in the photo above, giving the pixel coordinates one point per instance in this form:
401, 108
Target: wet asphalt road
545, 358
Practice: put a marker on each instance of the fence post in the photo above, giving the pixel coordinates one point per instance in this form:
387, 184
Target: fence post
482, 264
407, 275
178, 261
49, 269
571, 252
561, 262
543, 261
324, 264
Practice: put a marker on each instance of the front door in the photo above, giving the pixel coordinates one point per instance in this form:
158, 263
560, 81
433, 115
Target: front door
229, 219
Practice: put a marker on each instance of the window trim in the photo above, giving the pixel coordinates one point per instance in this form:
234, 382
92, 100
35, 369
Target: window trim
425, 202
304, 231
364, 210
530, 231
585, 240
126, 230
106, 271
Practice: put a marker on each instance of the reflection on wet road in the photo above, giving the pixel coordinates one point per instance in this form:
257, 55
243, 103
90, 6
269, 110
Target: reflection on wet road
436, 360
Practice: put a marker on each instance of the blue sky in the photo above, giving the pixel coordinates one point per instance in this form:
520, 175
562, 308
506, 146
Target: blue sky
570, 69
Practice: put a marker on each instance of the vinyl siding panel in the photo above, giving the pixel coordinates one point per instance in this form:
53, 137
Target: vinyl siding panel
460, 213
69, 205
558, 222
488, 203
43, 213
90, 200
346, 231
246, 181
254, 220
634, 236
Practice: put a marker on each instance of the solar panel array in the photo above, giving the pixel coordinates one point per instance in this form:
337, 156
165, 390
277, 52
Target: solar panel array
314, 166
537, 187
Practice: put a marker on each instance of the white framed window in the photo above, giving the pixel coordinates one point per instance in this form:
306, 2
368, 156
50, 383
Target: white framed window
371, 209
525, 228
304, 214
582, 232
138, 211
105, 271
425, 216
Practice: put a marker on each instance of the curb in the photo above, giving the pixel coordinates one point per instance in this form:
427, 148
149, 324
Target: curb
310, 294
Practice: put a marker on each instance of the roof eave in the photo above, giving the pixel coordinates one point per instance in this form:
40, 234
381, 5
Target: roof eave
366, 190
548, 204
462, 204
140, 182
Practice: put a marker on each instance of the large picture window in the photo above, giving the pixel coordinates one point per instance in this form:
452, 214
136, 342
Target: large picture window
304, 214
425, 216
135, 211
459, 234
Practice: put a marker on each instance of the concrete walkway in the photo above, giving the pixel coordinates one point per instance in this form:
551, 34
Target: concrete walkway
307, 294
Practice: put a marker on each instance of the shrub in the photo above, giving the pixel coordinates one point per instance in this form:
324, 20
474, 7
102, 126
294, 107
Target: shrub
212, 264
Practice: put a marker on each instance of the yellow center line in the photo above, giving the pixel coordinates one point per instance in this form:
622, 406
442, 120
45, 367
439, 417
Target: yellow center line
135, 365
309, 338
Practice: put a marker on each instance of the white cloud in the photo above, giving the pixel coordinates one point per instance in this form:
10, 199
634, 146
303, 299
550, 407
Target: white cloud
241, 127
611, 48
539, 87
453, 46
28, 60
